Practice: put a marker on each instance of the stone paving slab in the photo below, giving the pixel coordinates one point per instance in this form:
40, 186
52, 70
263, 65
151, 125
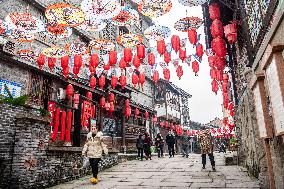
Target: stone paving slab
166, 173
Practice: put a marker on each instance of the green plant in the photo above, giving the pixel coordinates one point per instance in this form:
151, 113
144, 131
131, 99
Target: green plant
19, 101
44, 112
233, 141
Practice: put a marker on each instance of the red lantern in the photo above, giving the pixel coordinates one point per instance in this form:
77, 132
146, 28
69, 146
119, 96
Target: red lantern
64, 62
122, 63
111, 97
213, 73
167, 57
217, 29
167, 124
136, 112
136, 62
41, 61
219, 75
111, 107
92, 69
102, 102
51, 62
167, 74
230, 31
220, 63
113, 81
182, 54
225, 76
214, 11
211, 60
106, 67
224, 87
195, 67
219, 47
122, 81
179, 71
93, 82
89, 95
69, 91
56, 124
127, 111
112, 58
127, 103
232, 113
155, 119
140, 51
231, 106
142, 79
155, 76
146, 115
192, 36
77, 60
134, 79
161, 47
102, 81
215, 87
199, 51
175, 43
65, 72
151, 59
76, 71
127, 55
94, 60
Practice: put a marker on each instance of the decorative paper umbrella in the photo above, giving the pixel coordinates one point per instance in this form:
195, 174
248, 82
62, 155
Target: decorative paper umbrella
129, 40
154, 8
157, 32
20, 36
26, 54
76, 48
100, 9
188, 22
93, 25
127, 16
24, 22
102, 44
65, 14
54, 52
191, 3
59, 31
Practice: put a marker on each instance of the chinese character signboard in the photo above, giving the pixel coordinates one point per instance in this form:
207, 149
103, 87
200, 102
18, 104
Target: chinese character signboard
14, 88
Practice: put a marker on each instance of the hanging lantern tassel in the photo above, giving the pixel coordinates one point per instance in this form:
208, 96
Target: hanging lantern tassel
56, 124
69, 125
63, 123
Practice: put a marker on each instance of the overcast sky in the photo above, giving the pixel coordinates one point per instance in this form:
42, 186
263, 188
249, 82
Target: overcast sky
204, 105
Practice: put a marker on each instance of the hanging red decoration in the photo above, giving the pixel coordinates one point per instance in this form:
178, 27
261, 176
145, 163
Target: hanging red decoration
56, 124
166, 124
232, 113
151, 59
231, 106
102, 102
93, 82
136, 112
219, 75
136, 62
63, 123
179, 71
111, 107
195, 67
51, 62
161, 47
65, 72
213, 73
199, 51
134, 79
89, 95
220, 63
122, 81
142, 79
102, 81
112, 58
64, 62
76, 98
224, 87
69, 91
146, 115
182, 54
92, 69
214, 11
215, 87
41, 61
77, 60
192, 36
76, 71
140, 50
94, 60
106, 67
230, 31
111, 97
219, 47
211, 60
167, 57
127, 55
69, 125
217, 29
127, 103
122, 63
167, 74
175, 40
225, 76
155, 119
127, 111
156, 77
113, 81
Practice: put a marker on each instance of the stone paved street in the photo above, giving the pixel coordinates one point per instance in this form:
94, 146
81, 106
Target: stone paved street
175, 172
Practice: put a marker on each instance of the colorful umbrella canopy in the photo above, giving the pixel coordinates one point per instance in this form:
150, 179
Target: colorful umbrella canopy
92, 25
24, 22
65, 14
188, 22
191, 3
77, 48
102, 44
54, 52
157, 32
100, 9
126, 17
129, 40
154, 8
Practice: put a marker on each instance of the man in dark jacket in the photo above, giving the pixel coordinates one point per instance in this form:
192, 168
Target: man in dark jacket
139, 146
170, 140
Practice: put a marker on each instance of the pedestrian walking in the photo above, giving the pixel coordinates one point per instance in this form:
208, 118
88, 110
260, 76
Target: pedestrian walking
159, 143
206, 146
170, 140
139, 146
147, 146
184, 145
94, 149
